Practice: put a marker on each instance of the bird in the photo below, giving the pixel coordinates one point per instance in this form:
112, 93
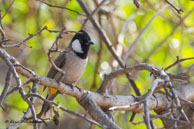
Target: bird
72, 61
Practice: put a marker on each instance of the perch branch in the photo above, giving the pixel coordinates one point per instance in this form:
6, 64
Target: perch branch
103, 101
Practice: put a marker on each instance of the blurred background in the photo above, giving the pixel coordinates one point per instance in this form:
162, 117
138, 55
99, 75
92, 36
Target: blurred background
157, 37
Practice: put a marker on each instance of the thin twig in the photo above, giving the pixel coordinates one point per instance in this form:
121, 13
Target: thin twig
25, 40
12, 90
99, 55
7, 59
95, 11
55, 50
6, 87
64, 109
137, 3
2, 32
12, 2
18, 81
1, 25
60, 7
32, 100
166, 116
134, 43
167, 37
175, 97
4, 45
26, 114
179, 11
177, 61
97, 65
125, 25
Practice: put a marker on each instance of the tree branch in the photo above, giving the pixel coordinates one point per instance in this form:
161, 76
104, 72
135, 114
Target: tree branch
96, 112
146, 103
134, 43
60, 7
6, 87
108, 101
168, 36
108, 44
63, 109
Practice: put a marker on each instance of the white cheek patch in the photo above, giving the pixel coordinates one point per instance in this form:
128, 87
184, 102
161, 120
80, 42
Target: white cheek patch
76, 46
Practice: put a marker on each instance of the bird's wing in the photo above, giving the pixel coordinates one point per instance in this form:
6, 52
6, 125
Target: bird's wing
59, 62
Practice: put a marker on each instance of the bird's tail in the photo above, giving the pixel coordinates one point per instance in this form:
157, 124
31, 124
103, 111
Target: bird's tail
46, 108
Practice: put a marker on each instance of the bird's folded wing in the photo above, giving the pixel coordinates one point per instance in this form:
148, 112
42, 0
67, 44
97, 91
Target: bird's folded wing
59, 62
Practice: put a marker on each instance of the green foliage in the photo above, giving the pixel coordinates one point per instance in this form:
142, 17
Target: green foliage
75, 6
16, 101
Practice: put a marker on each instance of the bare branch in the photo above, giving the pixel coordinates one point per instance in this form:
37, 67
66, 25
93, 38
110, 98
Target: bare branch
26, 114
12, 2
2, 32
97, 104
108, 100
147, 98
1, 27
32, 100
174, 95
96, 112
134, 43
168, 36
166, 116
97, 65
63, 109
177, 61
12, 90
179, 11
108, 43
24, 41
5, 45
6, 87
137, 3
60, 7
55, 50
95, 11
130, 69
158, 102
7, 59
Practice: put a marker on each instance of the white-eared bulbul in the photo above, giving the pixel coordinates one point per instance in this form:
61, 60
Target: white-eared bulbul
72, 61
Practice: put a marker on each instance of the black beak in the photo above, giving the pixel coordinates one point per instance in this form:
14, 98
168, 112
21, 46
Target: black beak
91, 43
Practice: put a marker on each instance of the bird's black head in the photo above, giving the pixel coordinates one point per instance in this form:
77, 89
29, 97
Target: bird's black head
81, 43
